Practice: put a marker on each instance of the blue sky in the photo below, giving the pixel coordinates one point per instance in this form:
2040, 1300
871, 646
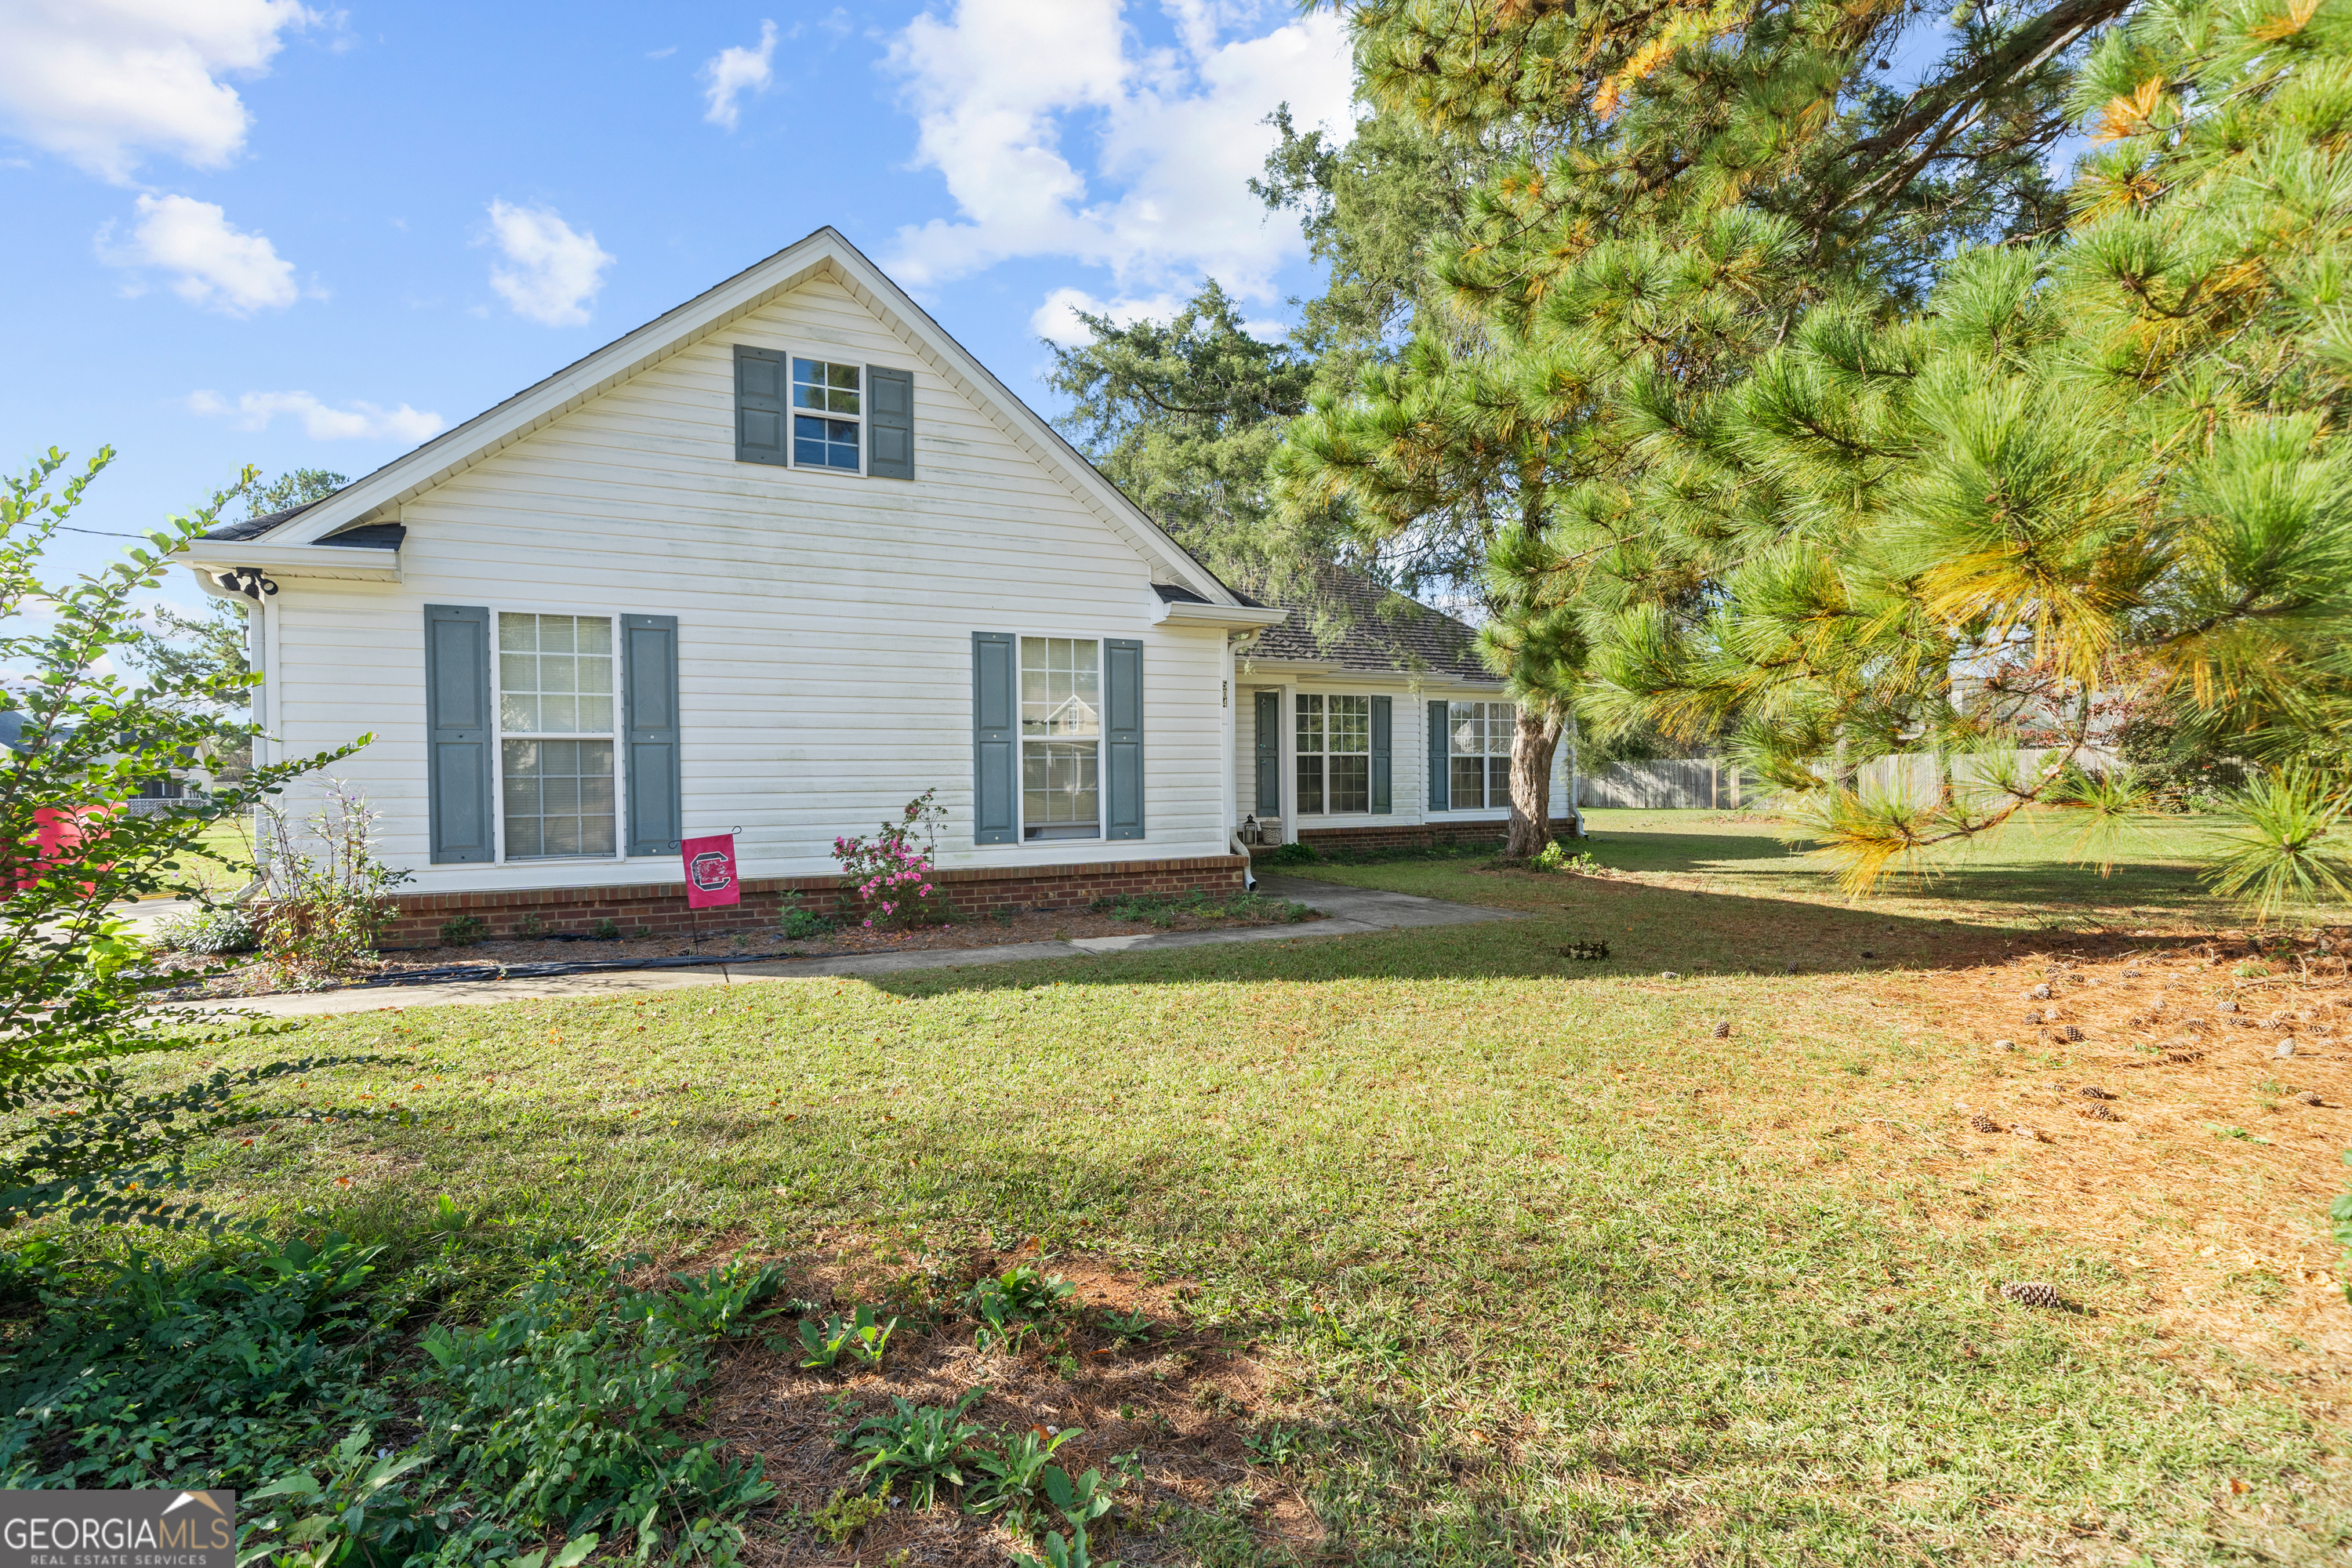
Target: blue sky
253, 231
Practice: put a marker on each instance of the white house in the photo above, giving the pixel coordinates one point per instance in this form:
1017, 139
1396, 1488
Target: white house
775, 563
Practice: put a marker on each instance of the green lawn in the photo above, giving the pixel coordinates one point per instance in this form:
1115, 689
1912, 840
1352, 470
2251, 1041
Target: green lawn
1605, 1287
2030, 877
1595, 1286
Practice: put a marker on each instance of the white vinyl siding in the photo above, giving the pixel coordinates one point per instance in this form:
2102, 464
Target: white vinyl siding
824, 619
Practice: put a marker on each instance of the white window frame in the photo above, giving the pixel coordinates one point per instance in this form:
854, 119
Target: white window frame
793, 412
498, 738
1101, 834
1299, 756
1510, 711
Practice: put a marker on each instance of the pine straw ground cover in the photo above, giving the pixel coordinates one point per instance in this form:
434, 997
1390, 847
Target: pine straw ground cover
1540, 1267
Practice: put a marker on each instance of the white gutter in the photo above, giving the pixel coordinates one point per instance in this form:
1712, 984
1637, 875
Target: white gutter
360, 564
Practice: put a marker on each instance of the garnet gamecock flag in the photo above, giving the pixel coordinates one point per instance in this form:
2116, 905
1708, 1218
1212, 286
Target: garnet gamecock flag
710, 871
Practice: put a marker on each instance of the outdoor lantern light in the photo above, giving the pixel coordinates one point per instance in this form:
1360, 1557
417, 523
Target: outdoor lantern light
1251, 832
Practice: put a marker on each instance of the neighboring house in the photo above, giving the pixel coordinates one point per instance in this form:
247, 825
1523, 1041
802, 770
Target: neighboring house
774, 564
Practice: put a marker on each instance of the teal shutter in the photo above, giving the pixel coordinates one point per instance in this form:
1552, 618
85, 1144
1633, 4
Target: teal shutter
889, 423
993, 741
650, 731
1123, 738
457, 731
1269, 754
1437, 785
1382, 796
762, 388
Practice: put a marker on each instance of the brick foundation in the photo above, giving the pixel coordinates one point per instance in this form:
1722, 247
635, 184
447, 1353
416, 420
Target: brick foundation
1409, 836
658, 909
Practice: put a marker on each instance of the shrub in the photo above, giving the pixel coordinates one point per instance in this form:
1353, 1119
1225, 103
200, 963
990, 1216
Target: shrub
1294, 854
216, 1373
208, 932
328, 894
1554, 856
802, 924
889, 876
79, 1130
464, 930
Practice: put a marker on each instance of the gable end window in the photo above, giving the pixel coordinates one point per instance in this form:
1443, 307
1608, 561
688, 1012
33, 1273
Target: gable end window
828, 414
801, 412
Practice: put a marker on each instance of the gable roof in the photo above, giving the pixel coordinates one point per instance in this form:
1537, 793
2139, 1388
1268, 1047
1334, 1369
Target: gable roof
825, 252
1372, 628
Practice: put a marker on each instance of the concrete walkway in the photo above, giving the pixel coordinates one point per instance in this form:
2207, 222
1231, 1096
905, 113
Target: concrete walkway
1351, 910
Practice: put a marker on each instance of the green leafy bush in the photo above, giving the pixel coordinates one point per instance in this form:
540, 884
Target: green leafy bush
1292, 855
1554, 856
208, 931
802, 924
216, 1373
464, 930
562, 1411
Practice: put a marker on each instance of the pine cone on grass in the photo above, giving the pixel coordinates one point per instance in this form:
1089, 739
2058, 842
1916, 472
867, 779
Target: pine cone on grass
1723, 1031
2096, 1113
1984, 1123
2034, 1293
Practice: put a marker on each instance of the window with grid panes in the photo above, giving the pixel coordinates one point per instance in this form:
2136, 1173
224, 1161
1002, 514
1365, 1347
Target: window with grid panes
827, 414
1335, 754
1061, 735
1478, 747
555, 735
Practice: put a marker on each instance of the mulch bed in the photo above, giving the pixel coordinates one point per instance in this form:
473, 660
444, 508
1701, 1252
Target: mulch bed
737, 947
1183, 1404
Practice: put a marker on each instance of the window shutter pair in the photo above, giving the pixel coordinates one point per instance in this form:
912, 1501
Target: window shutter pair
996, 745
459, 733
763, 414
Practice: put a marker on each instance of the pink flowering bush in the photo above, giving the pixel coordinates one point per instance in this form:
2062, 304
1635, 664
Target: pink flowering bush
890, 875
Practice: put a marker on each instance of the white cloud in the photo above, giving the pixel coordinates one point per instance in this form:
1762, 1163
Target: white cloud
103, 83
1057, 319
359, 422
1175, 136
553, 270
215, 265
733, 72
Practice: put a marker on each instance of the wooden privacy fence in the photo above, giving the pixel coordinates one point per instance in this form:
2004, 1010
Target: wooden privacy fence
1679, 784
1711, 784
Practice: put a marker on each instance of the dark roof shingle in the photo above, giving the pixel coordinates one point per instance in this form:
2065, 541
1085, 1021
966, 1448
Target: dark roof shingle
1372, 627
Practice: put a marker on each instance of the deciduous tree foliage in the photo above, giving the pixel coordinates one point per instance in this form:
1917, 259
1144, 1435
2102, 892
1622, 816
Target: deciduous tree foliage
85, 1133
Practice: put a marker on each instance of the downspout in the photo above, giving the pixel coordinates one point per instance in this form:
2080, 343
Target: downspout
257, 653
